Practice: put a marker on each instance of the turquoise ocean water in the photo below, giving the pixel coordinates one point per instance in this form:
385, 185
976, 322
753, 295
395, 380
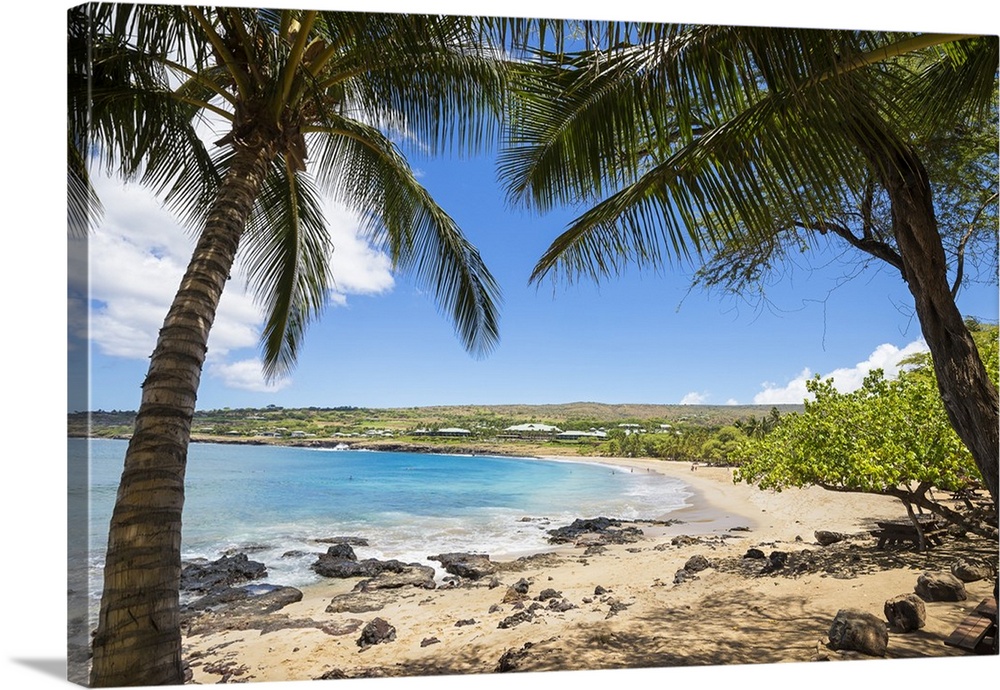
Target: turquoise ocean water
268, 501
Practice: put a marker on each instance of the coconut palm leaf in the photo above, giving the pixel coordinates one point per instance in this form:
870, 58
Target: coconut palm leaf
363, 169
286, 261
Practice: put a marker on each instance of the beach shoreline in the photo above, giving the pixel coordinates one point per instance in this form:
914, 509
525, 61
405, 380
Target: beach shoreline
620, 605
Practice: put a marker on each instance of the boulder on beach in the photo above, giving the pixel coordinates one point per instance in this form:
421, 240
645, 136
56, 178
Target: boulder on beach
378, 631
471, 566
860, 631
217, 575
599, 530
940, 587
250, 600
973, 569
413, 575
826, 537
906, 612
697, 563
339, 561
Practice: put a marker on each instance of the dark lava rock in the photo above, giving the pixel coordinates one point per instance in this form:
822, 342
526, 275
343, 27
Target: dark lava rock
547, 594
248, 600
697, 563
412, 575
513, 596
362, 602
297, 554
515, 619
859, 631
342, 551
754, 553
378, 631
467, 565
512, 658
615, 607
560, 605
428, 641
606, 530
906, 612
351, 541
331, 564
683, 575
225, 572
598, 591
972, 570
521, 586
825, 537
776, 561
940, 587
464, 622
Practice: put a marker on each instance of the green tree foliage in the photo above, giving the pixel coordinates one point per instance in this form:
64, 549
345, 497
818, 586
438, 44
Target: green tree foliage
889, 437
719, 449
690, 142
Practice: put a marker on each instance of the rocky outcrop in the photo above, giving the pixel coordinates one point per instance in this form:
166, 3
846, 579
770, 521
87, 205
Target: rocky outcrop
350, 541
515, 620
411, 575
511, 659
776, 561
973, 569
905, 613
940, 587
253, 600
697, 563
221, 574
466, 565
825, 537
339, 561
362, 602
591, 531
855, 630
378, 631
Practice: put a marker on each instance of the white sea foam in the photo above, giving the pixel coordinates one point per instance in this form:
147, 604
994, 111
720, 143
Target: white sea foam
275, 503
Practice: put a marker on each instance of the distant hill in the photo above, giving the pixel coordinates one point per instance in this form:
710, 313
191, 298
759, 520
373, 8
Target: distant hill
567, 415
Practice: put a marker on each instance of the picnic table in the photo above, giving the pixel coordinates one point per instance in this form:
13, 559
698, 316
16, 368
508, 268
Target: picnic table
894, 532
977, 631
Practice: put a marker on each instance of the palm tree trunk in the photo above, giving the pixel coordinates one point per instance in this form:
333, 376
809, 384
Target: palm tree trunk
969, 396
138, 638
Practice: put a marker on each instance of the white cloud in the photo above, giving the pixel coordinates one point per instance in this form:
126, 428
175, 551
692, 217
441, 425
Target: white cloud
732, 401
694, 398
136, 260
357, 267
246, 375
846, 379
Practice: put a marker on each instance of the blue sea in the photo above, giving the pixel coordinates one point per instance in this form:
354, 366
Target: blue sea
268, 501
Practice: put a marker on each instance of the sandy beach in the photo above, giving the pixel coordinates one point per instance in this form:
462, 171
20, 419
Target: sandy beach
624, 605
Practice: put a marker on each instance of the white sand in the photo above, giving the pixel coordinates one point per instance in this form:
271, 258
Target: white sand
720, 618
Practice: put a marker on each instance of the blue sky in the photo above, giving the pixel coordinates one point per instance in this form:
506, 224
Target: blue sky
643, 338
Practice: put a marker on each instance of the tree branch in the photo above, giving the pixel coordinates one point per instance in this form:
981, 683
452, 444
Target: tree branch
960, 266
880, 250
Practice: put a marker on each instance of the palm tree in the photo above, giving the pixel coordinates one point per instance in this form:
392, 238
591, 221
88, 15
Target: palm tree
305, 101
692, 141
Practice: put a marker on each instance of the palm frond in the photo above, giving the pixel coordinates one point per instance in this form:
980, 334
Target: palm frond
286, 256
365, 171
749, 131
432, 75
